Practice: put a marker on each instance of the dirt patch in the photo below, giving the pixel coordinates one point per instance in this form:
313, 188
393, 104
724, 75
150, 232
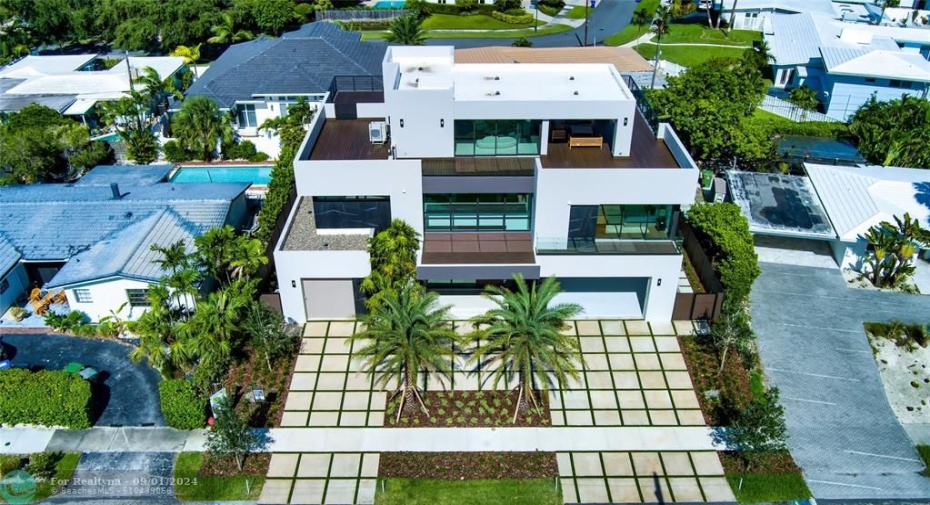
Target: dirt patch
225, 466
775, 462
253, 371
469, 409
468, 465
905, 373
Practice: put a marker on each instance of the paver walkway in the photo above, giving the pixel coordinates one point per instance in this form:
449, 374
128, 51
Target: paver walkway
842, 430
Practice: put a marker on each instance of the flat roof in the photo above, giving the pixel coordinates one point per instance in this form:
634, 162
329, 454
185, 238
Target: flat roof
303, 235
539, 82
624, 59
646, 151
347, 139
777, 204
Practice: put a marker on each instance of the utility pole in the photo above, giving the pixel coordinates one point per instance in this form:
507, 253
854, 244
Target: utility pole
129, 71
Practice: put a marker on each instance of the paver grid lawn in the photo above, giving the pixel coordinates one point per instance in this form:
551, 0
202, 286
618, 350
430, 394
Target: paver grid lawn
321, 478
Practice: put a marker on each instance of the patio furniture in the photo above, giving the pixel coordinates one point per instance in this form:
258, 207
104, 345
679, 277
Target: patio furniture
583, 136
60, 297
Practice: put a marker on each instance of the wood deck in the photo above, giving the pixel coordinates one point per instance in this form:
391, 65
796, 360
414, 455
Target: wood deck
647, 152
347, 139
479, 166
477, 248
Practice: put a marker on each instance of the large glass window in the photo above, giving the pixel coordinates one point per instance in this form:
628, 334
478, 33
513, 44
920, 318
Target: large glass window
477, 212
352, 212
623, 222
505, 137
245, 115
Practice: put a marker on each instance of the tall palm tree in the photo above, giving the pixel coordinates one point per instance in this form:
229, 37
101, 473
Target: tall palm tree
225, 32
524, 341
393, 253
660, 24
191, 55
732, 16
408, 334
406, 31
641, 19
212, 327
247, 257
182, 278
156, 89
160, 336
200, 126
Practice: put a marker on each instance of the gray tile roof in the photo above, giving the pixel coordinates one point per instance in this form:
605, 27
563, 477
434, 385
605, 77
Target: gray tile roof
128, 252
9, 256
302, 61
54, 222
125, 175
14, 103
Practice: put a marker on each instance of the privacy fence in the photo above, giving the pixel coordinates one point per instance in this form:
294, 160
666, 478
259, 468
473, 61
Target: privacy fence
709, 304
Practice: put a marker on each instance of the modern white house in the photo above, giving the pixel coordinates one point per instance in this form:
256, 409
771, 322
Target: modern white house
847, 64
93, 239
531, 168
258, 79
74, 84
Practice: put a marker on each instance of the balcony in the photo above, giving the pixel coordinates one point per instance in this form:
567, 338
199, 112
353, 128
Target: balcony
619, 247
347, 139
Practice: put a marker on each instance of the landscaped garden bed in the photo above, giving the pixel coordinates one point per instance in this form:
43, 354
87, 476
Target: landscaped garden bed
469, 492
903, 356
772, 477
253, 372
468, 409
202, 476
468, 465
719, 394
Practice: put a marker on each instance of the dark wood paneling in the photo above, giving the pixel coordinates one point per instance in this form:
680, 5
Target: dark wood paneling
646, 152
347, 139
477, 248
479, 166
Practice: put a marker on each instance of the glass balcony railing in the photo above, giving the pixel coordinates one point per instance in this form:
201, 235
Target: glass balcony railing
655, 246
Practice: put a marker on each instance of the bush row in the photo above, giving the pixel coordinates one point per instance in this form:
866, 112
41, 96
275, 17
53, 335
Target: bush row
45, 398
181, 405
775, 127
279, 192
521, 19
724, 235
78, 323
360, 26
245, 150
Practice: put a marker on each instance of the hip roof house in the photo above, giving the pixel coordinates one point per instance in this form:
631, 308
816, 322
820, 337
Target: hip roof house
94, 241
256, 80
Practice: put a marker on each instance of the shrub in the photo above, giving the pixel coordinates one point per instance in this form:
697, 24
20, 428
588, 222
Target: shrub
242, 151
466, 6
522, 19
724, 233
106, 330
43, 465
19, 313
506, 5
279, 192
361, 26
176, 153
548, 9
777, 128
69, 322
45, 398
181, 405
259, 156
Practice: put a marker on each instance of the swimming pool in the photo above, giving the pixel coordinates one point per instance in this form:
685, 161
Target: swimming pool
389, 5
259, 175
109, 137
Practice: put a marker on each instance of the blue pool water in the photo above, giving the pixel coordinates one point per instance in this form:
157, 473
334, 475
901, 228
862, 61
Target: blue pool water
259, 175
389, 5
110, 137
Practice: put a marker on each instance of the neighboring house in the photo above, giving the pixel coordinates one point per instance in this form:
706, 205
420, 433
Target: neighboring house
539, 169
74, 84
846, 64
256, 80
12, 274
756, 14
93, 239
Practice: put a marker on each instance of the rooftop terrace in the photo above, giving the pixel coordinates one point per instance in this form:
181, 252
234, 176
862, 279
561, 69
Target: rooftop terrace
646, 152
347, 139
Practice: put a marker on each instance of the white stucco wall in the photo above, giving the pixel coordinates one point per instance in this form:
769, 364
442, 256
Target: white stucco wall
293, 266
107, 295
416, 116
18, 283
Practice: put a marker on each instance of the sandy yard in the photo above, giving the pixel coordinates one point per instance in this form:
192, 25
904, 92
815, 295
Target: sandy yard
906, 377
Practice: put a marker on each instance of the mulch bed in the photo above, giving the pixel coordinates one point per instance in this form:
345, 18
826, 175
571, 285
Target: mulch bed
253, 370
468, 465
468, 409
703, 365
225, 466
774, 462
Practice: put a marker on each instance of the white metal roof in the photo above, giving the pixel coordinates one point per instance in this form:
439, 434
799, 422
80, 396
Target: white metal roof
795, 39
881, 63
858, 198
821, 6
34, 66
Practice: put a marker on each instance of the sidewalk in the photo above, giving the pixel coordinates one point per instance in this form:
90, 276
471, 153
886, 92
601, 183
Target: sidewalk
555, 439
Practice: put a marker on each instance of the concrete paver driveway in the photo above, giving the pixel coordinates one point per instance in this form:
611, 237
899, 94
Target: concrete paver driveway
842, 430
128, 392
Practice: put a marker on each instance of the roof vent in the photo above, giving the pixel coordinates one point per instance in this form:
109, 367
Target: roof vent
572, 78
575, 93
114, 190
325, 245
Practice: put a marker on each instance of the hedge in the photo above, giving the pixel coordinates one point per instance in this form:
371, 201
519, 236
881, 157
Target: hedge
181, 405
278, 194
45, 398
724, 234
522, 19
774, 127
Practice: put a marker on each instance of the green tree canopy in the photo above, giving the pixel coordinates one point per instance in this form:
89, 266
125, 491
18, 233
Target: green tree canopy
894, 133
407, 31
708, 105
201, 126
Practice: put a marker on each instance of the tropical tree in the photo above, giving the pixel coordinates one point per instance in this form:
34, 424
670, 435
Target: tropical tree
161, 338
227, 256
14, 42
201, 126
732, 16
231, 434
393, 256
886, 4
268, 333
760, 54
156, 89
225, 32
894, 132
759, 428
408, 334
893, 246
641, 19
191, 55
182, 277
732, 331
660, 23
524, 340
291, 128
407, 31
214, 325
129, 116
804, 97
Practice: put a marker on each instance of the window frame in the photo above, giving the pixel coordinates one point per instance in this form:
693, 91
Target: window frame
82, 295
4, 285
130, 293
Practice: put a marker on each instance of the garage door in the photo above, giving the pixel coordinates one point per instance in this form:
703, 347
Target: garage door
329, 298
622, 298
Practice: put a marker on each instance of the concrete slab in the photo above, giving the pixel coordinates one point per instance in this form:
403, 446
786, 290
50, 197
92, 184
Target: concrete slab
312, 345
599, 380
716, 489
303, 382
298, 401
624, 490
642, 344
307, 363
663, 328
578, 418
654, 489
690, 417
591, 344
294, 419
587, 464
352, 419
283, 465
316, 329
313, 465
631, 400
336, 345
647, 362
637, 328
320, 419
673, 361
607, 418
657, 399
327, 400
684, 399
617, 464
366, 491
588, 328
663, 418
706, 463
603, 399
334, 363
331, 382
677, 463
356, 400
612, 328
341, 328
308, 492
558, 417
678, 380
596, 361
652, 380
30, 440
345, 465
617, 344
620, 362
647, 463
685, 489
569, 493
592, 490
276, 491
370, 465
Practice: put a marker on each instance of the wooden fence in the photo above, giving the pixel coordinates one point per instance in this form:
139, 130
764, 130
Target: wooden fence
706, 305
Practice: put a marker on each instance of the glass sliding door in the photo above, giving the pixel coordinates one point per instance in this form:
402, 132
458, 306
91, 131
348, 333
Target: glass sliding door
504, 137
477, 212
633, 222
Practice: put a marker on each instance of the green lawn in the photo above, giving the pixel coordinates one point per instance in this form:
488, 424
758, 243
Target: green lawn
475, 22
924, 451
757, 381
771, 487
699, 34
528, 32
193, 487
64, 469
633, 32
689, 55
468, 492
577, 12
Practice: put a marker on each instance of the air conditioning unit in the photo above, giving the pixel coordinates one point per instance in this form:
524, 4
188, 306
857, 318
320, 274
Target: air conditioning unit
377, 132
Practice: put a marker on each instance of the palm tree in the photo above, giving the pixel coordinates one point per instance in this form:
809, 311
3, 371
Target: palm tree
200, 125
224, 32
160, 336
732, 16
191, 55
157, 89
524, 341
660, 23
641, 19
247, 257
408, 334
406, 31
213, 326
182, 277
885, 5
393, 254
